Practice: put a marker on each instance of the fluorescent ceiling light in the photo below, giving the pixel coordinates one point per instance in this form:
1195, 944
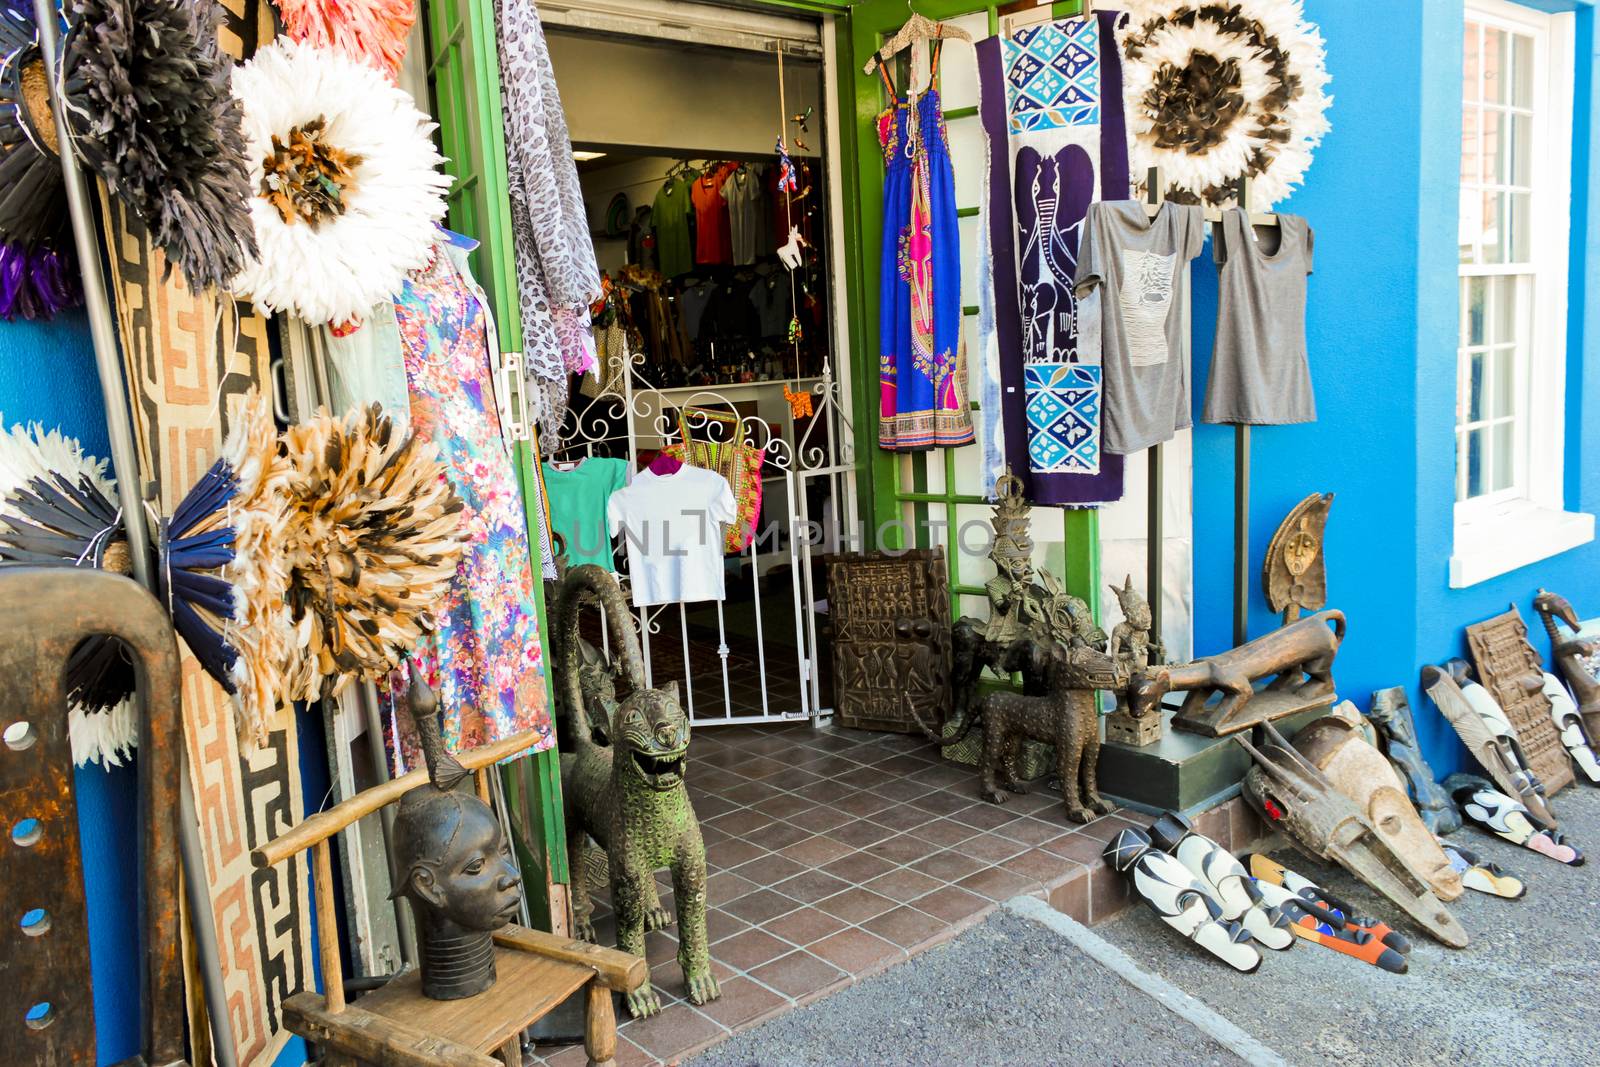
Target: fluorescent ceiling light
583, 157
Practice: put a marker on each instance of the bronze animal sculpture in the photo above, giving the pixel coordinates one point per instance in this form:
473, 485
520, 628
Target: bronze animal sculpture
1065, 717
1290, 791
1298, 657
1513, 673
1294, 574
1391, 714
1134, 649
454, 866
1576, 659
624, 788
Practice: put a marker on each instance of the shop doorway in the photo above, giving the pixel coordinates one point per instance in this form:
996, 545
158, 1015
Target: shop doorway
733, 353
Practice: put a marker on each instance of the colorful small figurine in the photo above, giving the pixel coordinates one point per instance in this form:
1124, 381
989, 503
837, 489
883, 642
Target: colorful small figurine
1327, 906
1320, 926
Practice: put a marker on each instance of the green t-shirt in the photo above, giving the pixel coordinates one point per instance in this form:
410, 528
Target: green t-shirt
578, 507
671, 211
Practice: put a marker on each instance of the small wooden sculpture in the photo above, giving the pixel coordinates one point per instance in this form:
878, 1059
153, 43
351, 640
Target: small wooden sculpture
1391, 714
1360, 772
1513, 673
1065, 717
1484, 729
1577, 660
891, 640
1180, 899
1291, 792
1294, 575
626, 790
1134, 650
1298, 657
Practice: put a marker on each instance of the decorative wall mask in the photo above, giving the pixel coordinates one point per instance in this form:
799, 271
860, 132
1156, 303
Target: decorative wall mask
1231, 886
153, 116
1294, 574
1397, 731
1216, 92
1480, 875
1513, 673
1325, 920
345, 181
1576, 659
371, 31
1505, 818
1574, 736
1181, 900
1484, 729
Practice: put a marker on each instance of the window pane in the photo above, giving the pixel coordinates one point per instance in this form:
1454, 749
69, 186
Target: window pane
1476, 442
1470, 158
1475, 387
1469, 62
1471, 224
1504, 456
1522, 71
1476, 310
1505, 309
1494, 124
1516, 158
1461, 465
1494, 228
1503, 393
1495, 61
1518, 220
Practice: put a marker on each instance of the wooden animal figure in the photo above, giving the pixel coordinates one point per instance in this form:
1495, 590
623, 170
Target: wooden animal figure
1065, 717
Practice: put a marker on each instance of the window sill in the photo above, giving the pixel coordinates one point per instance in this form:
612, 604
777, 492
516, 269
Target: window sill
1524, 534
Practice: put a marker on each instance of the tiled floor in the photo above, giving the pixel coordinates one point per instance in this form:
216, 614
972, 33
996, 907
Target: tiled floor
836, 853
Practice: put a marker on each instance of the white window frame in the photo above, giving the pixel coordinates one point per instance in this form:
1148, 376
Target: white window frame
1499, 532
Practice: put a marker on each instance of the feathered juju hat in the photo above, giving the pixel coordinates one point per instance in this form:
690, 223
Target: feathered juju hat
345, 180
375, 535
38, 272
371, 31
152, 113
1216, 92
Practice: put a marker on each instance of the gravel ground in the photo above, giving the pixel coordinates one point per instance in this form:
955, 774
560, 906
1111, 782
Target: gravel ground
1523, 991
1008, 991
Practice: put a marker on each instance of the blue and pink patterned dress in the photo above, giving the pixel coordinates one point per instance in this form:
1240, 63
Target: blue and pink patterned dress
486, 661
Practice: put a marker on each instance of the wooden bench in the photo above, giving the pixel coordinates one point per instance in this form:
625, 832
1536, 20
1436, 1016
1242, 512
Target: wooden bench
396, 1026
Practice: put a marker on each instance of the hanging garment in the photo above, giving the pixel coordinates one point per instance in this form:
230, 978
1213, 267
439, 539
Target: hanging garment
368, 364
1258, 363
742, 191
485, 661
672, 525
578, 498
1051, 105
557, 277
671, 212
922, 366
1133, 283
712, 243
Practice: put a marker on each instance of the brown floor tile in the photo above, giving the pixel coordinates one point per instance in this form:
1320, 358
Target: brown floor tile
770, 869
985, 816
757, 768
558, 1056
792, 778
996, 883
861, 803
828, 765
905, 926
855, 950
1217, 825
804, 926
904, 765
1248, 828
858, 867
1034, 832
676, 1030
862, 778
749, 950
780, 835
1082, 847
812, 886
725, 886
797, 974
784, 805
751, 793
952, 904
1071, 897
1038, 865
903, 885
660, 945
903, 849
856, 904
820, 819
731, 853
944, 775
860, 833
822, 791
741, 1001
942, 802
1040, 800
758, 907
741, 823
720, 924
710, 835
902, 817
815, 851
1109, 893
991, 848
944, 832
667, 978
709, 807
948, 866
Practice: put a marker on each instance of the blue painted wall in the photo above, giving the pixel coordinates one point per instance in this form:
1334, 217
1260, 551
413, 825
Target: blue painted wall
1381, 196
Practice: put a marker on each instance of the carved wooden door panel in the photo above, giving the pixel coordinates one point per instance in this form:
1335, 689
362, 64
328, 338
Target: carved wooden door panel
891, 639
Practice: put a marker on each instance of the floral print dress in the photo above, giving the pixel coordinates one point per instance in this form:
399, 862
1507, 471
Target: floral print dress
485, 661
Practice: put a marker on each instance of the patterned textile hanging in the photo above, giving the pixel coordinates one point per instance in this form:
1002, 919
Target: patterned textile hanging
1051, 107
557, 276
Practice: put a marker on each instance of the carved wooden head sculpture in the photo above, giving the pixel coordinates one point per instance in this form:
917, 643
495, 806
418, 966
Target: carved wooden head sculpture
1294, 573
454, 864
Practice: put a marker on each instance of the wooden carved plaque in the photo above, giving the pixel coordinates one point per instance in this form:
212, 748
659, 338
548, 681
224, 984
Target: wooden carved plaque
891, 639
1513, 674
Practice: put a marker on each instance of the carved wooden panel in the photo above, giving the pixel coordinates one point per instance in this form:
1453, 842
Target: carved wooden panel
891, 639
1513, 673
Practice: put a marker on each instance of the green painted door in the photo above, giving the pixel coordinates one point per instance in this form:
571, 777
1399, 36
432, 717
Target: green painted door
464, 78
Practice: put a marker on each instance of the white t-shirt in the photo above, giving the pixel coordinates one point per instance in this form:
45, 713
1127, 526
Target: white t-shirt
672, 525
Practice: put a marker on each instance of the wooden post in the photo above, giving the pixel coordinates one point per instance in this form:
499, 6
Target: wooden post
1241, 534
327, 930
1155, 536
599, 1025
481, 778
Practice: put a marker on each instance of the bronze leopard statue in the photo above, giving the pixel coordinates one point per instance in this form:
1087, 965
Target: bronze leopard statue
623, 784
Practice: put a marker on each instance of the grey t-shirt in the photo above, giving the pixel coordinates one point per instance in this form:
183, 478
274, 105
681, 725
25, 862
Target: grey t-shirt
742, 191
1258, 364
1133, 309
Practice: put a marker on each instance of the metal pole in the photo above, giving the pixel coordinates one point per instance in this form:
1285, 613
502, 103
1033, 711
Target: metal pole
1241, 534
1155, 537
368, 699
120, 429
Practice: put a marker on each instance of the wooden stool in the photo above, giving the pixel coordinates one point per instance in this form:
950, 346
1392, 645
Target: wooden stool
396, 1026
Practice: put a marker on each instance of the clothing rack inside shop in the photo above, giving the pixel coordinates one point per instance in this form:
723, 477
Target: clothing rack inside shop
1155, 195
